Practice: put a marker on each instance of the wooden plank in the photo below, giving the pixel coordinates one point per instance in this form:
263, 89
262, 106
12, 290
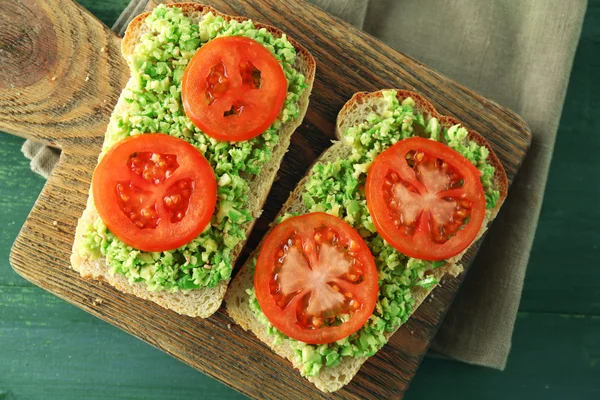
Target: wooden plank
50, 349
349, 61
563, 271
19, 188
89, 359
57, 86
554, 356
107, 11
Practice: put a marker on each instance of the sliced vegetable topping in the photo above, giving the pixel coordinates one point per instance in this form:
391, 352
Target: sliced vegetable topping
316, 279
154, 192
233, 88
425, 199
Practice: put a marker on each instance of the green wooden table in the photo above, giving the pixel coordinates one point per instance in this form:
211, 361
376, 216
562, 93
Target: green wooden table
50, 349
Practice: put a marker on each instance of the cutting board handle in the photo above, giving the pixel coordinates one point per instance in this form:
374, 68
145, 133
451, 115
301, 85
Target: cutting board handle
61, 72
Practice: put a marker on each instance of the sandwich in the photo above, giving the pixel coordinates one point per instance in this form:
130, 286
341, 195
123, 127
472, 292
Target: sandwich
190, 153
367, 234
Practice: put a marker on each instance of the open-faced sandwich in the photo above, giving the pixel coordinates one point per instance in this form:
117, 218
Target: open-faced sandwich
190, 153
367, 234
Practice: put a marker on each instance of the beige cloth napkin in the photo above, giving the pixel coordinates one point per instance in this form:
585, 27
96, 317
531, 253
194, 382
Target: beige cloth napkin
518, 53
42, 158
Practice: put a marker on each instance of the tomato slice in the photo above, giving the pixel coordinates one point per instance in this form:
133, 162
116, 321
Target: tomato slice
425, 199
154, 192
233, 88
315, 278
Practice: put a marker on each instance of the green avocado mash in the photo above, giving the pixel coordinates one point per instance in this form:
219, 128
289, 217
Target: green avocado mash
152, 100
333, 187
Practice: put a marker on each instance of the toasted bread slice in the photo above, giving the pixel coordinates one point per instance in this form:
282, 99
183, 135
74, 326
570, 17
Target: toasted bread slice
354, 112
201, 302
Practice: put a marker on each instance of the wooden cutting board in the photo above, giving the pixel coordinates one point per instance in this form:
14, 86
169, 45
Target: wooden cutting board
61, 73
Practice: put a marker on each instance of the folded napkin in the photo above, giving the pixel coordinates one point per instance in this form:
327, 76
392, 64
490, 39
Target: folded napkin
516, 53
42, 158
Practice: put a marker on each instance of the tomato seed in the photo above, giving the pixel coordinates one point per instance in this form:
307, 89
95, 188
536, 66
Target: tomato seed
318, 237
329, 236
309, 247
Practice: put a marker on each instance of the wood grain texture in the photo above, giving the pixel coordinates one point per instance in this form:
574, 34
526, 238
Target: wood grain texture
61, 70
570, 202
19, 188
71, 357
72, 112
543, 364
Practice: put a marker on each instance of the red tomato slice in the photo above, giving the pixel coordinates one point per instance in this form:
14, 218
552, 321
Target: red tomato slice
233, 88
154, 192
315, 279
425, 199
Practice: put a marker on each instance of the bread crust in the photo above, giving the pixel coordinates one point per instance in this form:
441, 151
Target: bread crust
201, 302
333, 378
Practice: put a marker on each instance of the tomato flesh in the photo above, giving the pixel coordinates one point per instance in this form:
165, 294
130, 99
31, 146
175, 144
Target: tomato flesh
425, 199
233, 88
154, 192
315, 279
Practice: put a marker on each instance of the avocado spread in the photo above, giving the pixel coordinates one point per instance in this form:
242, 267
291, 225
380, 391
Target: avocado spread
333, 187
151, 103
